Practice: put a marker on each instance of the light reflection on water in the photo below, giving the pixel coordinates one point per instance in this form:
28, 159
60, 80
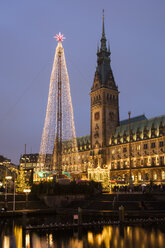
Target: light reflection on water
106, 237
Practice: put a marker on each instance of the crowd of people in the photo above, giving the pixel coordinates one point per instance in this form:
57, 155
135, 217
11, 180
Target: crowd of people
144, 188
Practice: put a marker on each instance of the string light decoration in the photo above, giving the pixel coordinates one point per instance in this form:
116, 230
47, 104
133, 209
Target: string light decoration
20, 183
59, 128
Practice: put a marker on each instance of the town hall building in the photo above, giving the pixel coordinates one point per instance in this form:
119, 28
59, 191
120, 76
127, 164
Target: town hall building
122, 149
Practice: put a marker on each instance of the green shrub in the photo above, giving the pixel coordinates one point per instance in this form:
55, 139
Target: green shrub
73, 188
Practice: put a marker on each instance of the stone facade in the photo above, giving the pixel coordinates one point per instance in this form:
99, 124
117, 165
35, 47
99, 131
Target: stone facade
7, 168
142, 148
135, 146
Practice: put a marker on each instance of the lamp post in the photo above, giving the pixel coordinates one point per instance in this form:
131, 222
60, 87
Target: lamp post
130, 165
14, 193
27, 191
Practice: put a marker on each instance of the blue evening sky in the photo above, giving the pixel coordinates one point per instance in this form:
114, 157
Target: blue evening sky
136, 31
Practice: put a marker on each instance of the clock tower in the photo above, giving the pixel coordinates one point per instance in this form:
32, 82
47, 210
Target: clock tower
104, 98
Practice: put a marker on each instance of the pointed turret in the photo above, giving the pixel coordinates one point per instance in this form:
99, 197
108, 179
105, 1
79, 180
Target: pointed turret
104, 71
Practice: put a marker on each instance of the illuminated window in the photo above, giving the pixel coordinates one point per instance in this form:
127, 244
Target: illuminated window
125, 163
155, 176
115, 166
139, 176
133, 163
163, 175
138, 147
145, 161
138, 162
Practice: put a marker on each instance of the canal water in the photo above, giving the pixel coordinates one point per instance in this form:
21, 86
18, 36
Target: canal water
13, 236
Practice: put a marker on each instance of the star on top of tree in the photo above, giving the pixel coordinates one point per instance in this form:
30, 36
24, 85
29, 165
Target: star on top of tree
59, 37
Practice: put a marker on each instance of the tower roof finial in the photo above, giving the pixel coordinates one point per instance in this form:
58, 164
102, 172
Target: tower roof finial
103, 39
103, 32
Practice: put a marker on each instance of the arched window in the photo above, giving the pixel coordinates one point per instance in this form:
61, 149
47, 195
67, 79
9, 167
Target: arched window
155, 175
163, 175
139, 176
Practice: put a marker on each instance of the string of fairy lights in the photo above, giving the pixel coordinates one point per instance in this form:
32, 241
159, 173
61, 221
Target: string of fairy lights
50, 125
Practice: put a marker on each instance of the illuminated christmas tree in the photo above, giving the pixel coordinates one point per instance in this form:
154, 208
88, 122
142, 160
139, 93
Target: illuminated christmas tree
21, 183
59, 128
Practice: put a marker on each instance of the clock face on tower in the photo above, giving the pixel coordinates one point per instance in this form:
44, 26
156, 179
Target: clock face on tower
97, 116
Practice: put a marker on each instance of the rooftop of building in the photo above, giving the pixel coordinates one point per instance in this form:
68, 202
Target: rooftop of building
32, 157
133, 119
3, 159
139, 123
83, 140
